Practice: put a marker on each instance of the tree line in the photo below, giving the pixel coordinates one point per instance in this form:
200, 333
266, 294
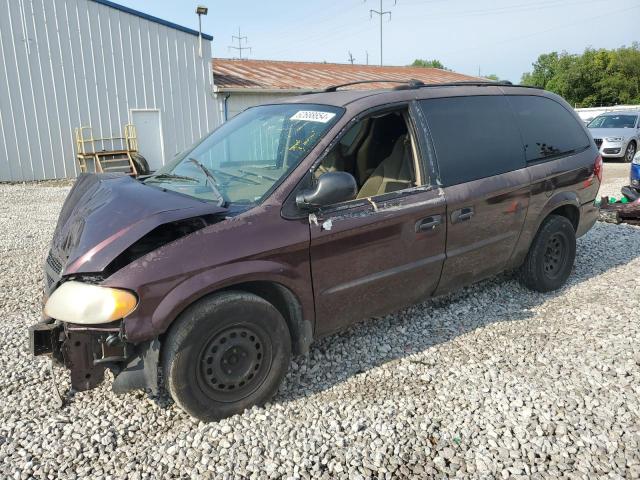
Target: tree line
592, 79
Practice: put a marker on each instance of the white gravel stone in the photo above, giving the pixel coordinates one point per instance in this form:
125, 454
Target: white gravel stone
491, 381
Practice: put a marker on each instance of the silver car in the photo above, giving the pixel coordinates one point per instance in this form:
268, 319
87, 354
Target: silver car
617, 134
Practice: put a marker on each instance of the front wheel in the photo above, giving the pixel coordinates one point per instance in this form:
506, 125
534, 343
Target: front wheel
226, 353
551, 256
630, 152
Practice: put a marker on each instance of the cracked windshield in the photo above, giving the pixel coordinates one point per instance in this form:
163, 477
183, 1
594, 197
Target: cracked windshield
242, 161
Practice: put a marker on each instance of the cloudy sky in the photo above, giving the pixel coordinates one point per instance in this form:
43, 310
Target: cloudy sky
500, 36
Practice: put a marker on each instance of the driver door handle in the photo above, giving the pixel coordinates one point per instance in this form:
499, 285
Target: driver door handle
429, 223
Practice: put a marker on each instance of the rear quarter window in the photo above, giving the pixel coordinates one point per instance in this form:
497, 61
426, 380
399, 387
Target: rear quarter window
548, 129
473, 137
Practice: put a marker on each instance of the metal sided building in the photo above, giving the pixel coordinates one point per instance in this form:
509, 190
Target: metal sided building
71, 63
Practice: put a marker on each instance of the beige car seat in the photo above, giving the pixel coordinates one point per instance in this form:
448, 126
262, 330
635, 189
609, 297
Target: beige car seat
394, 173
379, 144
337, 160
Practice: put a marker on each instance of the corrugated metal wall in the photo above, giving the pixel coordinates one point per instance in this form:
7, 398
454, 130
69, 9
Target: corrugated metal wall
67, 63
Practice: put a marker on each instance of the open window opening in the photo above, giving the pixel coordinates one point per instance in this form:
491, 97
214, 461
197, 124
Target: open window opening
379, 151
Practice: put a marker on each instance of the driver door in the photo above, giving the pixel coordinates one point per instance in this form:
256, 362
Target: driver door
371, 256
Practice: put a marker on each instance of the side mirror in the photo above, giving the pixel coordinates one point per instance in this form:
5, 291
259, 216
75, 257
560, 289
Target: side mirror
331, 187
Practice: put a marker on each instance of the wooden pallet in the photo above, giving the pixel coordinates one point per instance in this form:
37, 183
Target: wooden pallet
107, 154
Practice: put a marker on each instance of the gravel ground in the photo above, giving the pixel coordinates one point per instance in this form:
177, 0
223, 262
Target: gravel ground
492, 381
615, 176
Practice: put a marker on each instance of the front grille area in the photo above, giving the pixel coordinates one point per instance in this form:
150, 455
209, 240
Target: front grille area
611, 151
52, 272
598, 142
54, 263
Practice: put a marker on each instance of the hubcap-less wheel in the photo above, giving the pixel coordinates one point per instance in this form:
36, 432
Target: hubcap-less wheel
554, 256
234, 363
225, 353
631, 152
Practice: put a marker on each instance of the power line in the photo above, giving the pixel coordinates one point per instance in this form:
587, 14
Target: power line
534, 33
240, 39
381, 13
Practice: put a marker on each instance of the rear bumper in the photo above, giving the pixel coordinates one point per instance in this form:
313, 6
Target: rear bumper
588, 215
88, 351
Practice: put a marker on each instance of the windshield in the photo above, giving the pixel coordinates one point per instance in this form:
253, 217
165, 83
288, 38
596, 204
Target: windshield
614, 121
248, 156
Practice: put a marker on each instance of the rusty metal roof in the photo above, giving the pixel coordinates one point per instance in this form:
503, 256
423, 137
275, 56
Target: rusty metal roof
256, 75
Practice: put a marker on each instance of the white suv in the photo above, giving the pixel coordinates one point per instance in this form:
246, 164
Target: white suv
617, 134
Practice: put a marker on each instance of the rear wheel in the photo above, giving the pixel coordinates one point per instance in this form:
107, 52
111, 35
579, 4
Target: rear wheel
630, 152
551, 256
224, 354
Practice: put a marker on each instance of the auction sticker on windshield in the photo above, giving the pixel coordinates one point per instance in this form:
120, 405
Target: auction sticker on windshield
313, 116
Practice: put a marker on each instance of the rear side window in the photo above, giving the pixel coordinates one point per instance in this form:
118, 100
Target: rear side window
548, 129
473, 137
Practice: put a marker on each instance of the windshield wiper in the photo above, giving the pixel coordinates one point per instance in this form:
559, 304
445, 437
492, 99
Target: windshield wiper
206, 171
213, 184
247, 172
170, 176
239, 178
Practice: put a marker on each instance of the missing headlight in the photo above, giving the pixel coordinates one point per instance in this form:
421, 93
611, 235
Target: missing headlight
158, 237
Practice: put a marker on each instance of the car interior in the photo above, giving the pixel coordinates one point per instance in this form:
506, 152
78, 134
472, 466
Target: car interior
378, 151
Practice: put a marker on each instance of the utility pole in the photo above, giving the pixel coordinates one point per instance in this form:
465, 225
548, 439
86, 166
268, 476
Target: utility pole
240, 39
367, 54
381, 13
351, 58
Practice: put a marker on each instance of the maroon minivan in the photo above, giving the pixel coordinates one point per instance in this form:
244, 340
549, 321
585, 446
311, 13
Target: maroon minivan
294, 220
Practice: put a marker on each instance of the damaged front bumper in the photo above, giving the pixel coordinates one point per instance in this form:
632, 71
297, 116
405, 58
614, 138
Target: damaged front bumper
87, 351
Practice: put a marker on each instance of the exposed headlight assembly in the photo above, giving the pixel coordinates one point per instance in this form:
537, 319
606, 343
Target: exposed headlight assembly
614, 139
78, 302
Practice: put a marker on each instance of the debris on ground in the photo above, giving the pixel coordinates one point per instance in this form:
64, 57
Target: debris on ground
623, 210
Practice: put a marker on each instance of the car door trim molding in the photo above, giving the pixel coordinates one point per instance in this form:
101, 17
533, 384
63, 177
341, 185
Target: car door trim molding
385, 274
475, 246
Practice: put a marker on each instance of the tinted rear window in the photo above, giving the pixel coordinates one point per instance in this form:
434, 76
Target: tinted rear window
548, 129
473, 137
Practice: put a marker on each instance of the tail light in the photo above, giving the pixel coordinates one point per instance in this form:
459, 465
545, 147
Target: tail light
597, 168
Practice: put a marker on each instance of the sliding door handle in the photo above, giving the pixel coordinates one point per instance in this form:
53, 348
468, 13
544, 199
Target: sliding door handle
462, 215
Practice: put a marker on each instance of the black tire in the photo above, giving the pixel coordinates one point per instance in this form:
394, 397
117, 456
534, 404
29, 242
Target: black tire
629, 152
551, 256
236, 331
142, 166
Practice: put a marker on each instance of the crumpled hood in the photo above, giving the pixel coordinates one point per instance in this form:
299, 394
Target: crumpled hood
106, 213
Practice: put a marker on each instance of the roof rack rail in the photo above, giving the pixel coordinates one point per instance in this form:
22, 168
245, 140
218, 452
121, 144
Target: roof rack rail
480, 83
411, 83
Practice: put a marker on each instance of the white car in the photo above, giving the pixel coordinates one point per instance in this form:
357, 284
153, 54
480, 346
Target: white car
617, 134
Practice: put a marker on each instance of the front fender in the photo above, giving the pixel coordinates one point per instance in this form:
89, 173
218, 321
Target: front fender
156, 319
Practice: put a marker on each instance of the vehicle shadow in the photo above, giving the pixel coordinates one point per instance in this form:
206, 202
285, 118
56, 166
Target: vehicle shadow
417, 328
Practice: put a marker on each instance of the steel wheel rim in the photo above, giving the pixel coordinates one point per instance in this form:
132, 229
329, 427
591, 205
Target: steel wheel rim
555, 256
234, 362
